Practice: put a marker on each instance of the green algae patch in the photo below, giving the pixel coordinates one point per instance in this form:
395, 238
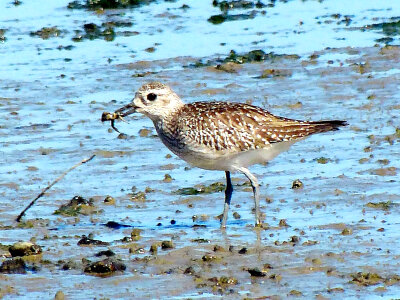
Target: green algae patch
77, 206
137, 196
323, 160
380, 205
47, 32
274, 73
388, 28
253, 56
256, 56
106, 4
221, 18
227, 7
237, 4
201, 189
2, 35
366, 279
92, 31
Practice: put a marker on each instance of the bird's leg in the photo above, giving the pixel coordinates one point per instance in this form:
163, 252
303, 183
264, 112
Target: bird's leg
228, 195
256, 192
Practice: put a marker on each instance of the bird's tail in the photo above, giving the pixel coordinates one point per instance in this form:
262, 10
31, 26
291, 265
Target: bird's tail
323, 126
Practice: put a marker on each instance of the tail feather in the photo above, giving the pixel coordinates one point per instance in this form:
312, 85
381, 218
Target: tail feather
324, 126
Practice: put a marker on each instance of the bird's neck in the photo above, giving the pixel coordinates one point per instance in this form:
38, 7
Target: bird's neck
167, 123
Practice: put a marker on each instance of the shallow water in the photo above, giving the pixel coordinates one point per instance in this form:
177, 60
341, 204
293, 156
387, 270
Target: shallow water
51, 102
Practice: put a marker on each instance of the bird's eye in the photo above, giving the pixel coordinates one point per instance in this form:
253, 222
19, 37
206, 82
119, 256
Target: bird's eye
151, 97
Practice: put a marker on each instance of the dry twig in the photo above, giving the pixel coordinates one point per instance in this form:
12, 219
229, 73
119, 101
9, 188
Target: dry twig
53, 183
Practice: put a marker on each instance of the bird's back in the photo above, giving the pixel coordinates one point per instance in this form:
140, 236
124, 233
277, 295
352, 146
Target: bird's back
224, 126
215, 135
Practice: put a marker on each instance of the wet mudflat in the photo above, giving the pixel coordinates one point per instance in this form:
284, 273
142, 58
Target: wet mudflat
138, 222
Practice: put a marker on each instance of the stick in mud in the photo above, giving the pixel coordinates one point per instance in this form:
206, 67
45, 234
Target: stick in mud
53, 183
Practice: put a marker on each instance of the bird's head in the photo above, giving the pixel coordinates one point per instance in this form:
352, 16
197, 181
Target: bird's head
155, 100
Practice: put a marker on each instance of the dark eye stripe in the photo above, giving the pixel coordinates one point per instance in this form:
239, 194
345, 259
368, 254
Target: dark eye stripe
151, 96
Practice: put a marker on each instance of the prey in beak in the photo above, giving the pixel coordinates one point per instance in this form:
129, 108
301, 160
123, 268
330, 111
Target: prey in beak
119, 114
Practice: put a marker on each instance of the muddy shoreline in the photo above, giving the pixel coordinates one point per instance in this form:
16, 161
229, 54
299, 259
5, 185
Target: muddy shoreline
133, 218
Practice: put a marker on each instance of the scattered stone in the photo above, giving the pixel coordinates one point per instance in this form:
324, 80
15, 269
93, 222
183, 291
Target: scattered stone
275, 73
135, 234
167, 245
122, 136
192, 270
243, 250
310, 243
283, 223
224, 280
297, 184
221, 18
218, 248
109, 200
59, 296
137, 250
24, 249
295, 293
236, 216
13, 266
209, 257
144, 132
106, 4
154, 248
235, 4
201, 241
229, 67
347, 231
150, 49
316, 261
335, 290
389, 171
70, 265
167, 178
86, 241
107, 253
256, 272
106, 266
115, 225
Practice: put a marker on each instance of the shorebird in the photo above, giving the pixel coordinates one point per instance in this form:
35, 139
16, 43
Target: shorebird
221, 136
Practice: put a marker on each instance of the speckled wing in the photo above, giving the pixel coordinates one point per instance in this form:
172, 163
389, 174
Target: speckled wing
224, 126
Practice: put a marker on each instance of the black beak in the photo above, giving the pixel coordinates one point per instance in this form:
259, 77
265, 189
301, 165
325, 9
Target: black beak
126, 110
119, 114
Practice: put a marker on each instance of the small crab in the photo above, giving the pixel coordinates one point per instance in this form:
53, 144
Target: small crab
106, 116
118, 115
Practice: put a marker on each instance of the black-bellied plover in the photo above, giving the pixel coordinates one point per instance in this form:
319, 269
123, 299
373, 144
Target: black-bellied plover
219, 135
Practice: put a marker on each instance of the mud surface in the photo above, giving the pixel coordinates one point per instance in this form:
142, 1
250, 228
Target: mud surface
138, 222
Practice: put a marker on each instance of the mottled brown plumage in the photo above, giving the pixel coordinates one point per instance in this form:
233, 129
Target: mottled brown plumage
240, 127
219, 135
